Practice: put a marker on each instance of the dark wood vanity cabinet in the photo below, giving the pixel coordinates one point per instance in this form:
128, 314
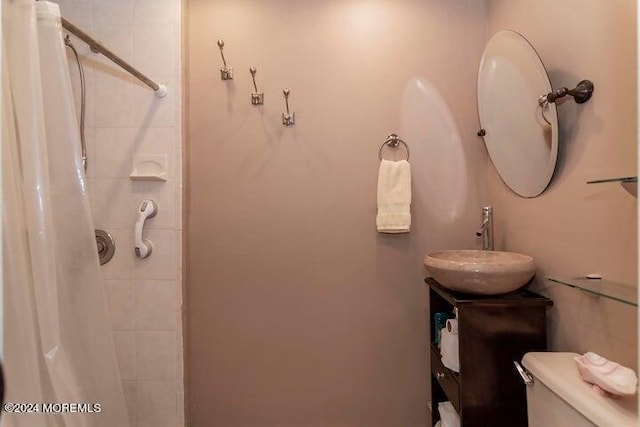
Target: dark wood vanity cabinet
493, 331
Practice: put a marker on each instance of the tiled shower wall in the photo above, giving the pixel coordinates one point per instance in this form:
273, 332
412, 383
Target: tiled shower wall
125, 119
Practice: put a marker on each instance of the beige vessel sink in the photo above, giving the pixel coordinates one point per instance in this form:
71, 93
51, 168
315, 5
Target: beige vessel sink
480, 272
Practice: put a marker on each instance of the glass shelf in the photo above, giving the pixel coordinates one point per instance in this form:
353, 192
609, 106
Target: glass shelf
629, 183
621, 180
601, 287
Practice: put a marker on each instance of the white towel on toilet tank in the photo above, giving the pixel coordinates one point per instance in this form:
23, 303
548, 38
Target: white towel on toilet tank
394, 197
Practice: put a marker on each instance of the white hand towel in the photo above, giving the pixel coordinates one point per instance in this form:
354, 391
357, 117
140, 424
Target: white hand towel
394, 197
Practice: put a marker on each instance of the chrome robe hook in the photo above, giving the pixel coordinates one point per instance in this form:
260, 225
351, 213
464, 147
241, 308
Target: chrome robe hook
225, 73
288, 119
257, 98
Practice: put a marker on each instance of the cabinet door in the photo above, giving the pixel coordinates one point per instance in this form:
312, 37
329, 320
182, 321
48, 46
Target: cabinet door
491, 338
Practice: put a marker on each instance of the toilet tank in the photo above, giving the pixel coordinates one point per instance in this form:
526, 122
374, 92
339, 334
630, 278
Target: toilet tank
559, 397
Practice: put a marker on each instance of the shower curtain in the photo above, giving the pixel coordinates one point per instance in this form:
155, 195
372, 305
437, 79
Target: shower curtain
58, 346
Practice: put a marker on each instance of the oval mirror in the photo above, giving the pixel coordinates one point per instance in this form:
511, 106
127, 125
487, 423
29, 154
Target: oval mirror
520, 135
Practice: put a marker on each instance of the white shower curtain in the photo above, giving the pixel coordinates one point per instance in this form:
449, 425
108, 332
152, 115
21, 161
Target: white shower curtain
58, 346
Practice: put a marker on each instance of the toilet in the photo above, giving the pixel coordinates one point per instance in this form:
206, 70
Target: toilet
558, 397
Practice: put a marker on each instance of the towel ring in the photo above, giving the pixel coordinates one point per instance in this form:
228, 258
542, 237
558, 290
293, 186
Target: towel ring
393, 141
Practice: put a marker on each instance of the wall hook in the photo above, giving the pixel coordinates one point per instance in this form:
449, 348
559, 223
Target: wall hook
257, 98
225, 73
288, 119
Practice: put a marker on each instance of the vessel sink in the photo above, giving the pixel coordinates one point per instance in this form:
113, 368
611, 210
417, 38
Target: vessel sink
480, 272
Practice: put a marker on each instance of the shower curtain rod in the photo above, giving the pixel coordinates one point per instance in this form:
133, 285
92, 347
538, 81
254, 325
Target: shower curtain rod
97, 47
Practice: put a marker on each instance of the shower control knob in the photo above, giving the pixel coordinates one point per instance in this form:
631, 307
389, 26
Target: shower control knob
105, 245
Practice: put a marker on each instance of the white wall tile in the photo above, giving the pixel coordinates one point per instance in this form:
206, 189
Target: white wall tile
113, 150
119, 40
163, 262
178, 292
155, 306
155, 355
121, 265
120, 302
153, 48
156, 404
154, 11
113, 95
125, 351
112, 12
125, 118
178, 207
177, 154
78, 12
114, 101
157, 141
90, 92
89, 192
114, 206
150, 110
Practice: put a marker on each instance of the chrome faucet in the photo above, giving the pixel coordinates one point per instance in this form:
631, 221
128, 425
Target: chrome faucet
486, 229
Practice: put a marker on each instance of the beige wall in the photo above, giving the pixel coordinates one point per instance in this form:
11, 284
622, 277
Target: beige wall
299, 313
125, 119
574, 228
